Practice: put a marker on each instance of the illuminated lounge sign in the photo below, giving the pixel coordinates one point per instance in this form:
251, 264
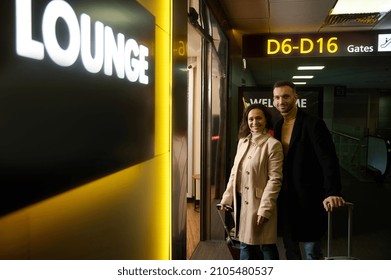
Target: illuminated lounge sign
127, 56
77, 94
317, 45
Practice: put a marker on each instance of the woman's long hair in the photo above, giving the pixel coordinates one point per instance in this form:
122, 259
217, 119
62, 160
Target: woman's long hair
244, 129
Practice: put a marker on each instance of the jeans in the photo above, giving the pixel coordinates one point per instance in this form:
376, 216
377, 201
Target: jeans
312, 250
270, 252
254, 252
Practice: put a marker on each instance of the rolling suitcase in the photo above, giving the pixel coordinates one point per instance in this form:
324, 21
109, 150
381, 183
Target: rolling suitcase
350, 206
232, 242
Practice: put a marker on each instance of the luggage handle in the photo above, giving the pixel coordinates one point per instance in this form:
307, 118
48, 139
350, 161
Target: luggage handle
220, 208
329, 229
224, 207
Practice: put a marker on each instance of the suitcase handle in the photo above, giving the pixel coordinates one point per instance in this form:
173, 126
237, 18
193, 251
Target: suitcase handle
224, 207
221, 208
329, 229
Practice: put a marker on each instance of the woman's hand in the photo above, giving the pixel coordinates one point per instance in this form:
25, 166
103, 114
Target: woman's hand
261, 220
224, 207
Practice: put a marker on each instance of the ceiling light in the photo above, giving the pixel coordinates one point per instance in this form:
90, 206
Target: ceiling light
361, 7
356, 13
300, 83
310, 67
302, 77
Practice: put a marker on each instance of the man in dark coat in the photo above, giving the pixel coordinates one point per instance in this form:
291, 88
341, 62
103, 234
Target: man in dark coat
312, 184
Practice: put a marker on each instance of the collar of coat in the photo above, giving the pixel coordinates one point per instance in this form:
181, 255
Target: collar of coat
258, 139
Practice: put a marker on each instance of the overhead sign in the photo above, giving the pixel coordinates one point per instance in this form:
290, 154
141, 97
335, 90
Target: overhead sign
77, 94
317, 45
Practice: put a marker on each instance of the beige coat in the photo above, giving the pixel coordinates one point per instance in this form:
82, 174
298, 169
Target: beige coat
260, 188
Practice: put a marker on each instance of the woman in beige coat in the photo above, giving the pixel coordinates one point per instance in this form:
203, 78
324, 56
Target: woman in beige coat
254, 185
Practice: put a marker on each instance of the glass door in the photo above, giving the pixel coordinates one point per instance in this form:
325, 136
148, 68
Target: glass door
207, 64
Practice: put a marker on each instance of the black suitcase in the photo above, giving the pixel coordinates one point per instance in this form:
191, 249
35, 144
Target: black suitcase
350, 207
232, 242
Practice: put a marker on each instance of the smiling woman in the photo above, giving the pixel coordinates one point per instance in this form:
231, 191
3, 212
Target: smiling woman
256, 121
254, 184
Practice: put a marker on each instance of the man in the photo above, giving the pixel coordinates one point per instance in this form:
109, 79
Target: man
312, 184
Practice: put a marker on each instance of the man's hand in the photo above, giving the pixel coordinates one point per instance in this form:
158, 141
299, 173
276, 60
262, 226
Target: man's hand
332, 202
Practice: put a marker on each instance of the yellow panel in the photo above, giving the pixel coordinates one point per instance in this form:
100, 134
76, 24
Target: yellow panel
122, 216
162, 11
14, 236
163, 14
126, 215
163, 96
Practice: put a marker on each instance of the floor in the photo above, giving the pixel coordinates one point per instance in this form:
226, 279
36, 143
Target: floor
371, 238
192, 228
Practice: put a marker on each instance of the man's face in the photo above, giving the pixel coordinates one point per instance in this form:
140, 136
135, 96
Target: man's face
284, 98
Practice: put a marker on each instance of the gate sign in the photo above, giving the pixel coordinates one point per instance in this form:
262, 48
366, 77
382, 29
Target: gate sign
317, 45
77, 94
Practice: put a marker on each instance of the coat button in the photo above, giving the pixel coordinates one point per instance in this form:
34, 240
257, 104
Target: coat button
247, 172
246, 202
247, 188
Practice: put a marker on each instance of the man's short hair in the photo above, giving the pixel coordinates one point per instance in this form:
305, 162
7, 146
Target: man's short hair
285, 83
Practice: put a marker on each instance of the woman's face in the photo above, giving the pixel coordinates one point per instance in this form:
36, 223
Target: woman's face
256, 120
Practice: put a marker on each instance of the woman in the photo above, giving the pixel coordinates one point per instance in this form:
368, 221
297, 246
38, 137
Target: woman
254, 185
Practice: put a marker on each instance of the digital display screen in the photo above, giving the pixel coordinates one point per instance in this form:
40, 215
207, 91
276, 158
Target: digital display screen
317, 45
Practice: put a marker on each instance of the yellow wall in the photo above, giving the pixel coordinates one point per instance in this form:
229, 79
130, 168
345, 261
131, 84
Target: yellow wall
126, 215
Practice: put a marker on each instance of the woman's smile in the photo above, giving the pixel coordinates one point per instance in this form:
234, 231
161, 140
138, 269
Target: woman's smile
256, 121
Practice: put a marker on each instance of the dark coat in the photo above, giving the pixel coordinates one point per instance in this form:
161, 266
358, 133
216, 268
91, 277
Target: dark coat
311, 173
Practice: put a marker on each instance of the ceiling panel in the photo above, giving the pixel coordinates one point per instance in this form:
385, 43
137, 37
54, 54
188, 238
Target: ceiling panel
298, 16
250, 26
246, 9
